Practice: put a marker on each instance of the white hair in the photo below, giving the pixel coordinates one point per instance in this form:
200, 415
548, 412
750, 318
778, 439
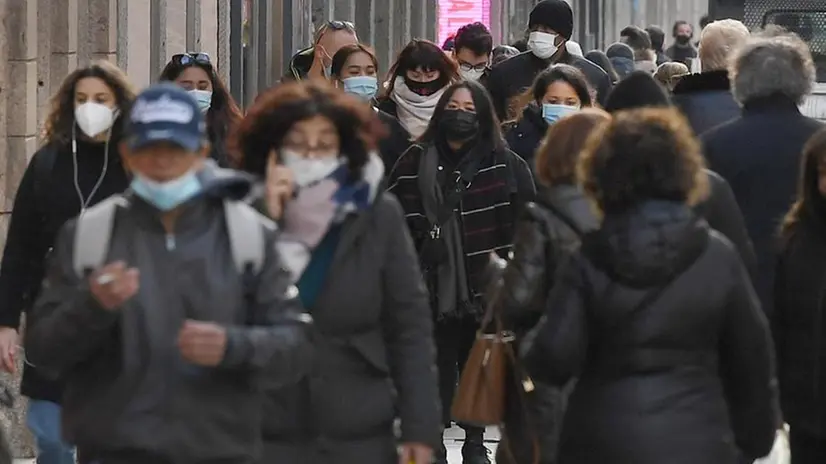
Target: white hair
772, 63
718, 41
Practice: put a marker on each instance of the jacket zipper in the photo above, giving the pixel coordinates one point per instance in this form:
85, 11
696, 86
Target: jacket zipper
170, 241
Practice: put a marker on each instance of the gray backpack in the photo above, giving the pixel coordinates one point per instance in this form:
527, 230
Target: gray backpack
245, 225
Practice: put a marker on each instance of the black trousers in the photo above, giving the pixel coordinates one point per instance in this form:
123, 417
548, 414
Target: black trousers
806, 448
454, 339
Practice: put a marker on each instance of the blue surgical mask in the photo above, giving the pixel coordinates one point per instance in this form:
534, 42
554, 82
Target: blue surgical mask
203, 97
361, 86
169, 195
553, 113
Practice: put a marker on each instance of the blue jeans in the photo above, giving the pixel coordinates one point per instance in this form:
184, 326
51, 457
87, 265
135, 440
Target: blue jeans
43, 419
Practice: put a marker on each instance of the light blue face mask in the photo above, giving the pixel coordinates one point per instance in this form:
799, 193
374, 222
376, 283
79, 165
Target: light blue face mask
203, 97
553, 113
167, 196
361, 86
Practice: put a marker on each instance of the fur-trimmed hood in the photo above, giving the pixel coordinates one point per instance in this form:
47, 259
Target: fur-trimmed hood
703, 82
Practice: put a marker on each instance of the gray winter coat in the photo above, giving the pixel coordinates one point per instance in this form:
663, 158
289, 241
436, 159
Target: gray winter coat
128, 388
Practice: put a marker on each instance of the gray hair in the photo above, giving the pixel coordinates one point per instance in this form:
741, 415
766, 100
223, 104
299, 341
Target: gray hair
772, 63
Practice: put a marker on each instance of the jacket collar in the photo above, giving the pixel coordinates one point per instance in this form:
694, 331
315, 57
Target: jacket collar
703, 82
776, 103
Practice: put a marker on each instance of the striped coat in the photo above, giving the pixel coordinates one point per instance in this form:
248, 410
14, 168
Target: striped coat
486, 212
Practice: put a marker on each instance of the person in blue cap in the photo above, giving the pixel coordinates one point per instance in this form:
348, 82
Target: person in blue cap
167, 309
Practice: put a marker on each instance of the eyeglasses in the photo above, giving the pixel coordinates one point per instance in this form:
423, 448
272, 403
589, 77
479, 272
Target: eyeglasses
187, 59
336, 26
467, 67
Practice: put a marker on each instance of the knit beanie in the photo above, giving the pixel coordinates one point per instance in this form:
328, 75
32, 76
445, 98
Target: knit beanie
638, 90
554, 14
620, 50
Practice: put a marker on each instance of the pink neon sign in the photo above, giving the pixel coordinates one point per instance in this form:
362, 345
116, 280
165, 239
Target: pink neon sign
454, 14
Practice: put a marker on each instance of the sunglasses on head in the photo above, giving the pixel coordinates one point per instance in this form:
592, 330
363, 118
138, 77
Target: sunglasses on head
186, 59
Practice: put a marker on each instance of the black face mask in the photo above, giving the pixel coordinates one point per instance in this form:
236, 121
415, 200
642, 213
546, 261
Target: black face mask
683, 39
424, 88
458, 125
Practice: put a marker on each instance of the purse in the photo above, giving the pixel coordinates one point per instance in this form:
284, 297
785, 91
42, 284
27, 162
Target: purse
480, 396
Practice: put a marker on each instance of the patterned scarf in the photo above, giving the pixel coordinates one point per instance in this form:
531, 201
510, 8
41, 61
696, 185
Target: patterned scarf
308, 217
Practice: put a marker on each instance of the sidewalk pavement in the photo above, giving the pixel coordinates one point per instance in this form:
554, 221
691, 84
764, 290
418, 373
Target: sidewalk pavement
454, 437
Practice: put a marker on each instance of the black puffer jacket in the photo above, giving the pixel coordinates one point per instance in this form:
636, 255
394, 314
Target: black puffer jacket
687, 378
543, 235
525, 135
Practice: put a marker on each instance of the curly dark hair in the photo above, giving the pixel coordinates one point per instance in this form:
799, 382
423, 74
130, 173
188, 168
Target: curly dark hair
61, 118
224, 113
643, 154
276, 111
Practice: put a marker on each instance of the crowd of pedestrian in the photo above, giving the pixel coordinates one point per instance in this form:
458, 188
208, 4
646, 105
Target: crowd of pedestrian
308, 281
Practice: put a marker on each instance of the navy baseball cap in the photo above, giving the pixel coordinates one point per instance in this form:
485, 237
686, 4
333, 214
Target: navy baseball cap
165, 113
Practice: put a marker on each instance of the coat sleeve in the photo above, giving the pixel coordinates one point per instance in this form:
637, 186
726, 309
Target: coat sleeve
723, 215
525, 186
747, 369
25, 252
408, 331
279, 341
526, 273
554, 351
68, 324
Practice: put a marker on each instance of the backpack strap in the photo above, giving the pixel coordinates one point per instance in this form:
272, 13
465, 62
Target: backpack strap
246, 236
93, 232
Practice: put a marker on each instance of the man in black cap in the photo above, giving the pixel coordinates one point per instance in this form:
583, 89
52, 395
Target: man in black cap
166, 344
551, 24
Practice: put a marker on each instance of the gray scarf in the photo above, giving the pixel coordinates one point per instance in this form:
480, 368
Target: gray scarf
451, 282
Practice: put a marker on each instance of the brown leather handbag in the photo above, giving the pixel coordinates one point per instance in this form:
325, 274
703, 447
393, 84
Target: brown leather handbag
480, 397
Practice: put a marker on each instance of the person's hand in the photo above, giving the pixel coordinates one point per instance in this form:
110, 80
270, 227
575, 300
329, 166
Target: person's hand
202, 343
115, 284
415, 453
280, 186
8, 349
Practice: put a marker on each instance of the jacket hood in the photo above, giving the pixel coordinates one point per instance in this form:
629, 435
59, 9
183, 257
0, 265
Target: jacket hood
532, 114
224, 183
711, 81
650, 244
573, 202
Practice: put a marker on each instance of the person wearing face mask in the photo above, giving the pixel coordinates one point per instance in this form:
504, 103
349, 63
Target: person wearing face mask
196, 74
682, 50
314, 62
415, 83
472, 51
557, 92
147, 313
77, 167
345, 242
355, 70
461, 190
550, 27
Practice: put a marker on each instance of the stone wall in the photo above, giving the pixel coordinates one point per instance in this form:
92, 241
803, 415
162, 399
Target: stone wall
42, 41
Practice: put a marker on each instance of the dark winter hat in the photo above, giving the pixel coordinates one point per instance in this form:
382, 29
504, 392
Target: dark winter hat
555, 14
638, 90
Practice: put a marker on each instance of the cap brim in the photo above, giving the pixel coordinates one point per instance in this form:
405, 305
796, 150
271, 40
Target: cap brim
186, 141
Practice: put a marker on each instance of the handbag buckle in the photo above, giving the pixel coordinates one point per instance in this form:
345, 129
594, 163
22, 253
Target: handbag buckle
435, 232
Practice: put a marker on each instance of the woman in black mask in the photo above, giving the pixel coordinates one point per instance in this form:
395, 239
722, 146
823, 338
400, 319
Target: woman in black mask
415, 84
461, 190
